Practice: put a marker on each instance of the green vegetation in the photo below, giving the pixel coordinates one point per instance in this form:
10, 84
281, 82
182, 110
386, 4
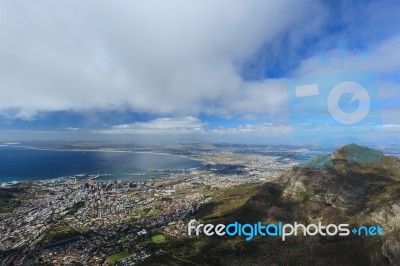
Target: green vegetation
117, 257
360, 154
226, 201
83, 227
59, 232
136, 212
158, 239
5, 206
123, 239
199, 251
133, 221
153, 212
321, 161
8, 199
74, 209
303, 194
183, 191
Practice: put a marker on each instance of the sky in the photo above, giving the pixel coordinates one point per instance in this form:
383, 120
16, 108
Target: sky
211, 70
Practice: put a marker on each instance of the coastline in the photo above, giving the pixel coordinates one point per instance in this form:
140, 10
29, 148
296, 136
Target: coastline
91, 173
101, 150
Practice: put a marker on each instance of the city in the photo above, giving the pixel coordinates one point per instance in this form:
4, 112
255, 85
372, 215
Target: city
82, 219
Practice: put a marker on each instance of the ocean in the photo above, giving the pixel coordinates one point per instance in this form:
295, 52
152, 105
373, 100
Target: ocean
28, 164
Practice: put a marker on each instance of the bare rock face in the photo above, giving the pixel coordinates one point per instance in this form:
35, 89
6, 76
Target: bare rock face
354, 184
327, 186
340, 154
391, 250
388, 215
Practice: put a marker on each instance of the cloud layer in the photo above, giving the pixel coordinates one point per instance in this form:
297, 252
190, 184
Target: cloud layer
177, 65
165, 125
162, 57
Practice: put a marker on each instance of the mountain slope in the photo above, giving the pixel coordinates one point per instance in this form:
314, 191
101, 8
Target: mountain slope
354, 185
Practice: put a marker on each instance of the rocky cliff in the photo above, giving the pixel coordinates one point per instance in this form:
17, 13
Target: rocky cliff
354, 185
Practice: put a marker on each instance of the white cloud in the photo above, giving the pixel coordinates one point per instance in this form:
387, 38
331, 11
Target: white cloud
193, 126
258, 129
72, 128
164, 57
391, 128
265, 97
160, 125
383, 58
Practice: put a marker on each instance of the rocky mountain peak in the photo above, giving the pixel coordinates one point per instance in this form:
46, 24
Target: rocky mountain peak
353, 184
353, 153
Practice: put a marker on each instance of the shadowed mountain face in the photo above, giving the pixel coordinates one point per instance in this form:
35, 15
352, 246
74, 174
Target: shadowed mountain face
353, 185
